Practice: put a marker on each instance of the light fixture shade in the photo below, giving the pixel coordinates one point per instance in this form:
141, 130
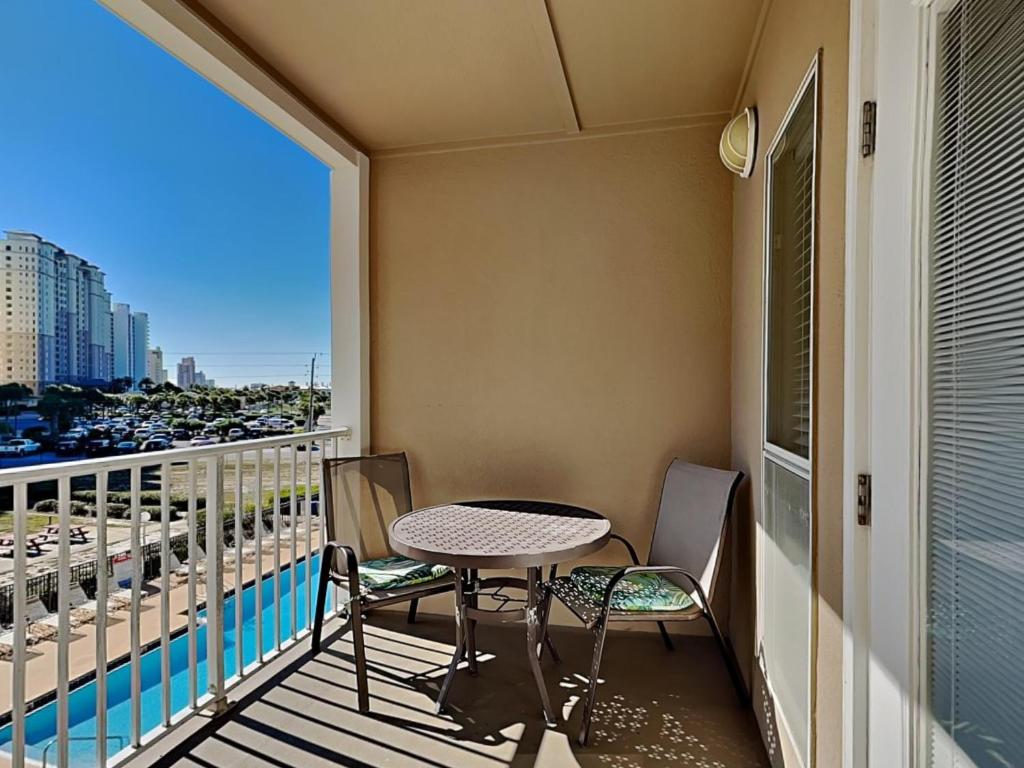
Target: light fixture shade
738, 145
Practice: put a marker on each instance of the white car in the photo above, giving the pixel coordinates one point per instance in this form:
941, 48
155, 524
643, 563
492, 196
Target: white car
19, 446
199, 440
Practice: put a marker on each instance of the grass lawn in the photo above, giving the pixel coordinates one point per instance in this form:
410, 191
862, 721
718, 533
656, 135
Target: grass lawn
36, 523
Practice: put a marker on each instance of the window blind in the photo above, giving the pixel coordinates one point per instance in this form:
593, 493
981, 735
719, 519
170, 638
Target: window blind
975, 471
790, 283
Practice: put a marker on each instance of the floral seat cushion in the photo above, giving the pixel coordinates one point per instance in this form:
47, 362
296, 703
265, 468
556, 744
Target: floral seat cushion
640, 592
397, 571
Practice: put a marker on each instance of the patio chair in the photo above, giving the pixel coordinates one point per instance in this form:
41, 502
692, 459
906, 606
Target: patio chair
677, 583
85, 609
182, 570
80, 609
7, 644
118, 594
39, 615
364, 494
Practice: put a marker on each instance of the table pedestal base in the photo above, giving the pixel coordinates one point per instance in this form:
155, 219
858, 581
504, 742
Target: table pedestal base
467, 613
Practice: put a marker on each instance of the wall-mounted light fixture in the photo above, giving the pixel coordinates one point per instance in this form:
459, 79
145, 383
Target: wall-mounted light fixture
738, 145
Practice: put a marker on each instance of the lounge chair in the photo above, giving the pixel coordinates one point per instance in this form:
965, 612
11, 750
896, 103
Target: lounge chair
38, 615
7, 644
677, 584
84, 609
182, 570
118, 594
370, 490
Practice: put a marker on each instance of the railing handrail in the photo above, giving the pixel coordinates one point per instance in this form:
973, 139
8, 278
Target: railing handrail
58, 470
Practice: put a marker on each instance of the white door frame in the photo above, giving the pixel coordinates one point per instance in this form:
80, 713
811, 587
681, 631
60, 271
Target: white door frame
884, 196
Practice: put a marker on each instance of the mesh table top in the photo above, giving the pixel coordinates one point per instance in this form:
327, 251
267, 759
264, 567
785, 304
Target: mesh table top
499, 534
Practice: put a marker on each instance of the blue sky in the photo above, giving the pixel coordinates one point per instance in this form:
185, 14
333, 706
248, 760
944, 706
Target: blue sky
199, 212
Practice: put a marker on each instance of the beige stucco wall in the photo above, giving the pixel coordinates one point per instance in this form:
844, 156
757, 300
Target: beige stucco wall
552, 320
794, 30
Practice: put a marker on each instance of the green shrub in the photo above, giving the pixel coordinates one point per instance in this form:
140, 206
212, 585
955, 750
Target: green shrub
117, 511
81, 509
46, 505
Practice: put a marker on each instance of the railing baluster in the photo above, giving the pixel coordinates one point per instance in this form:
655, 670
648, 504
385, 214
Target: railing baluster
20, 627
309, 534
63, 618
239, 581
292, 501
193, 554
101, 619
215, 582
258, 507
165, 589
277, 547
136, 607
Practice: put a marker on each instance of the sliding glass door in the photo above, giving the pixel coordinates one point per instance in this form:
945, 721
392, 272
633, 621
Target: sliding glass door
973, 516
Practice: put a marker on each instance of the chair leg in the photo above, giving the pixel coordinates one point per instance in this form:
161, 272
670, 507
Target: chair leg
666, 638
321, 596
362, 684
729, 657
413, 605
472, 601
595, 671
545, 638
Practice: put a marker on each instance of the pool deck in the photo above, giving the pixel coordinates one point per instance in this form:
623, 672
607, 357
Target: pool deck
41, 674
656, 708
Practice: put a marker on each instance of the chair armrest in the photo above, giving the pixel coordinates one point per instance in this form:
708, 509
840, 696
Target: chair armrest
629, 547
622, 574
351, 561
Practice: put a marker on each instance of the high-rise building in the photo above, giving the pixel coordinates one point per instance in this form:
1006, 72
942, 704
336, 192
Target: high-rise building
57, 325
124, 344
140, 346
131, 343
155, 366
187, 372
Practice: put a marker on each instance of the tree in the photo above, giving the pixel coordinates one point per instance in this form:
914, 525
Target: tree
146, 384
61, 404
11, 396
123, 384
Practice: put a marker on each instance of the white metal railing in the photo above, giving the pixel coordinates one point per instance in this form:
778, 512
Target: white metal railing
186, 467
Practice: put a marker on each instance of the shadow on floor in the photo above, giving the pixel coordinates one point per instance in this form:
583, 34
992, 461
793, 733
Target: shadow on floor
655, 707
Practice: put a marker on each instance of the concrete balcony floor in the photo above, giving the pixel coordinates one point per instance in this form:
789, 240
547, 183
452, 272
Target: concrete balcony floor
655, 707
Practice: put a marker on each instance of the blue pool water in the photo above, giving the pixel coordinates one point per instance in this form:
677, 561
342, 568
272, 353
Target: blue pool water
41, 724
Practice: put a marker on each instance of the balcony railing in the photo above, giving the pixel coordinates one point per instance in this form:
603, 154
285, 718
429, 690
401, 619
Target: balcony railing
81, 718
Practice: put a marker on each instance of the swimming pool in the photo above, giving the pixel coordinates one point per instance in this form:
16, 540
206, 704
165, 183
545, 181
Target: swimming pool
41, 724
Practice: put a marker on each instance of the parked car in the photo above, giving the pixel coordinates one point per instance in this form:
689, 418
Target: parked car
126, 446
19, 446
66, 447
199, 440
236, 434
180, 434
155, 444
101, 447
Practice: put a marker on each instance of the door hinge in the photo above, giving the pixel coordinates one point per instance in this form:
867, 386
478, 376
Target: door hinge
863, 499
868, 120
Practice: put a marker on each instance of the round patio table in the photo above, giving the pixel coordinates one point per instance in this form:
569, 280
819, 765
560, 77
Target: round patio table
470, 536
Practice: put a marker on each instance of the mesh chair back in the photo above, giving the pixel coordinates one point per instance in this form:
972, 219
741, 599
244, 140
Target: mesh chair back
695, 505
364, 495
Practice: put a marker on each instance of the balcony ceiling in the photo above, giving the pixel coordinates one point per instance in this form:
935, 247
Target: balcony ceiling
398, 74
